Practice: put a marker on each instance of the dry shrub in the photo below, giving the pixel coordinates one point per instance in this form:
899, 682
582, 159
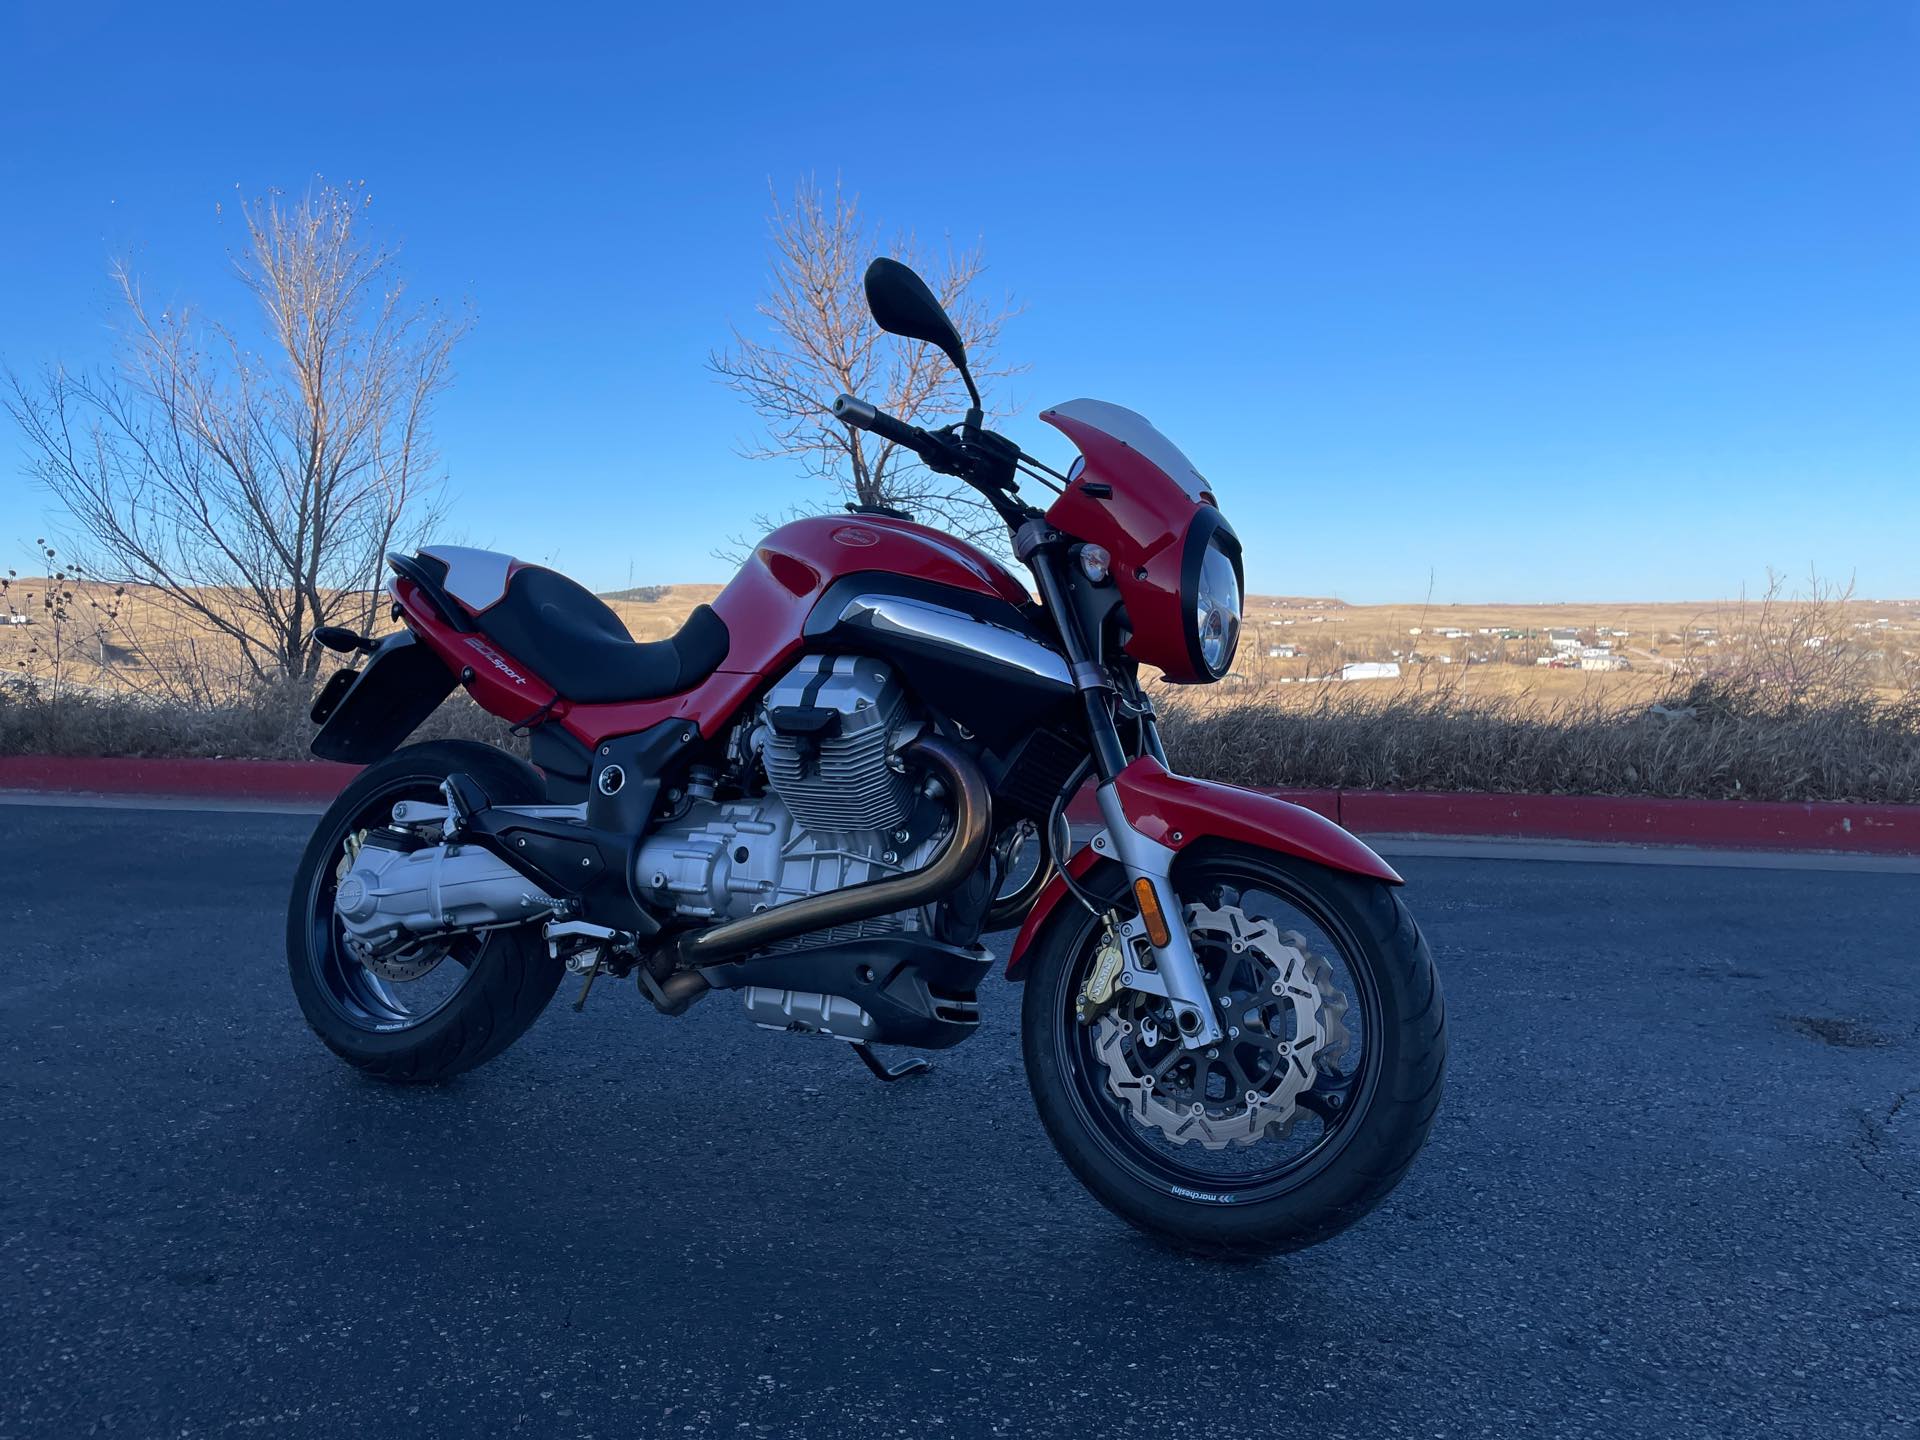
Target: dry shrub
267, 721
1780, 698
1794, 700
1711, 740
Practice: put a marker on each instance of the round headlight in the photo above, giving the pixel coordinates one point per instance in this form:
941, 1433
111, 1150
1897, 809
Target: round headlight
1217, 610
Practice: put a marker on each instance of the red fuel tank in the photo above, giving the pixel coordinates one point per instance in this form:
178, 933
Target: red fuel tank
766, 606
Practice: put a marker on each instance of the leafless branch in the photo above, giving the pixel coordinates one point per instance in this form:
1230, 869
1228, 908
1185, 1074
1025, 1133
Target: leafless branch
256, 490
820, 342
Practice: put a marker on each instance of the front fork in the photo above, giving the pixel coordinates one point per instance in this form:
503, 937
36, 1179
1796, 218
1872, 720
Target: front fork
1176, 973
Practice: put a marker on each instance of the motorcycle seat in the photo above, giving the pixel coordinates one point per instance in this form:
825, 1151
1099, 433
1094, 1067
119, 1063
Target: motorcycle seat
570, 638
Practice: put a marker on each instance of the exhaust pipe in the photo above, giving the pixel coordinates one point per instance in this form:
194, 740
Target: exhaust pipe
1010, 910
972, 829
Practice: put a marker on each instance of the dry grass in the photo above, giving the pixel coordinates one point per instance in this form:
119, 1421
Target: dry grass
1710, 742
268, 724
1761, 713
1786, 697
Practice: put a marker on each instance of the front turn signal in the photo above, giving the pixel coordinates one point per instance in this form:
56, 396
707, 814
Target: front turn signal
1151, 913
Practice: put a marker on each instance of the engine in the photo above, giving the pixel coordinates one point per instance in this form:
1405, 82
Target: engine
839, 807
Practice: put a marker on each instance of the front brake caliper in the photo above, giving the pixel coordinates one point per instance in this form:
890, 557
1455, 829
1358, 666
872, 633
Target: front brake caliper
1103, 981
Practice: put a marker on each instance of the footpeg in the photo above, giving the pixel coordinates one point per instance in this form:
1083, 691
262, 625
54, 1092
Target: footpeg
465, 799
890, 1073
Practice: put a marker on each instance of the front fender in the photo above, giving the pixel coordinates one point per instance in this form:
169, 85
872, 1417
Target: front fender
1177, 811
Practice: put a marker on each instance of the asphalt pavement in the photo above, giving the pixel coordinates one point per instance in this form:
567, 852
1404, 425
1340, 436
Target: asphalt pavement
1674, 1190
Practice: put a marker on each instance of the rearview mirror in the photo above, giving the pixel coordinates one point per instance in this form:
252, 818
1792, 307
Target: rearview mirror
903, 305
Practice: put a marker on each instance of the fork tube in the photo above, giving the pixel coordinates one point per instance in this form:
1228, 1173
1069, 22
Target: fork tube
1089, 676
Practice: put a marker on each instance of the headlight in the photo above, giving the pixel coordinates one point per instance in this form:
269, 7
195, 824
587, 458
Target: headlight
1217, 610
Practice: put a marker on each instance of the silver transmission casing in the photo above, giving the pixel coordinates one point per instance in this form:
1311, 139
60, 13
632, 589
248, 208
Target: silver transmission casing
387, 896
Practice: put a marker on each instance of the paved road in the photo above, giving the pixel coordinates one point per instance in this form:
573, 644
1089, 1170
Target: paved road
1673, 1192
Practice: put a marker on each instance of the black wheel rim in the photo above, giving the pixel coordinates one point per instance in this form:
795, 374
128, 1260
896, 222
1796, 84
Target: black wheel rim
360, 997
1330, 1114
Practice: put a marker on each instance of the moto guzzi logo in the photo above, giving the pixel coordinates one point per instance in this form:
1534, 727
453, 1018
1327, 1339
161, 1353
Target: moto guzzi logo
498, 661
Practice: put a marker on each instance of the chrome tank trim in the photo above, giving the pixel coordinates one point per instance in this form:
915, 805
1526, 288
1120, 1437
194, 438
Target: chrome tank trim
956, 630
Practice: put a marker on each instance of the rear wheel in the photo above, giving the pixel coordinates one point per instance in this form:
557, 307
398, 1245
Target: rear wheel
1310, 1110
442, 1006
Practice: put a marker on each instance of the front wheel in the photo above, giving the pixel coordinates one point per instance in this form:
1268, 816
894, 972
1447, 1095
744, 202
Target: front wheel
1310, 1110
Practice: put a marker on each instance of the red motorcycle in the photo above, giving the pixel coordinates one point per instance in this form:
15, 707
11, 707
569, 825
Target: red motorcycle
829, 785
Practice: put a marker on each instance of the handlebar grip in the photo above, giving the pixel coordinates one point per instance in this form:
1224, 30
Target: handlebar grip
854, 411
863, 416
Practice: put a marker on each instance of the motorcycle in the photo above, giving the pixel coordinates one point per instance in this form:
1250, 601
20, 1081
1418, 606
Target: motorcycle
824, 790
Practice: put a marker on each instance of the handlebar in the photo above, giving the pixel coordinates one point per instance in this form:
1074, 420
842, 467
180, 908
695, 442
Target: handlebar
979, 457
860, 414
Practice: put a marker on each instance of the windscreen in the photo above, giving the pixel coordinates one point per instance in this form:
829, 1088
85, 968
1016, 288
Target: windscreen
1132, 430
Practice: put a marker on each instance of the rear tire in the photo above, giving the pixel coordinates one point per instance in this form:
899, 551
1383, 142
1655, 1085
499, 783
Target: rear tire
1390, 1098
509, 974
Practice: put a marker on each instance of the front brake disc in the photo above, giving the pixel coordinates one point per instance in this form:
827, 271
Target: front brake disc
1275, 1000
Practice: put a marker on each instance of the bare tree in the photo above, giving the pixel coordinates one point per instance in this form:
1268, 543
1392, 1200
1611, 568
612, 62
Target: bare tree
256, 489
824, 343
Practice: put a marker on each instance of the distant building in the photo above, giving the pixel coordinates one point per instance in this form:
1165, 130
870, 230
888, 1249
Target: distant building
1564, 639
1282, 652
1371, 670
1594, 658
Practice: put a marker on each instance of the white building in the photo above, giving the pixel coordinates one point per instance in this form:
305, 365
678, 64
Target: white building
1371, 670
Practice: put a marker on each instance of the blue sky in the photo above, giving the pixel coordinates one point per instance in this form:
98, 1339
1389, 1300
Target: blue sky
1552, 301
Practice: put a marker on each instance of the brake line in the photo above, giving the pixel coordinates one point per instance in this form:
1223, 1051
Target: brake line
1055, 815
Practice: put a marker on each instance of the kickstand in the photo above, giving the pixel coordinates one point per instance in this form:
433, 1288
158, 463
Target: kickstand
883, 1071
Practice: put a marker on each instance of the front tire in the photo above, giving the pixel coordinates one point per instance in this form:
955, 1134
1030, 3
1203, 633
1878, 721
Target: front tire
414, 1032
1261, 1188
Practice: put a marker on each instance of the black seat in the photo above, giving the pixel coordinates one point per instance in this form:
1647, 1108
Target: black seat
573, 641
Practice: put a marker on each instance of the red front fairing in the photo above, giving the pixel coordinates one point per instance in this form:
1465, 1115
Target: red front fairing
765, 607
1176, 811
1145, 517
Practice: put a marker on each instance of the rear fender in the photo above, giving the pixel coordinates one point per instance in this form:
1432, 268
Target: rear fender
384, 702
1178, 811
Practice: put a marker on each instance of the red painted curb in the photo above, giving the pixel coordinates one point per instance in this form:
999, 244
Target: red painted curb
122, 775
1607, 819
1715, 824
1718, 824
